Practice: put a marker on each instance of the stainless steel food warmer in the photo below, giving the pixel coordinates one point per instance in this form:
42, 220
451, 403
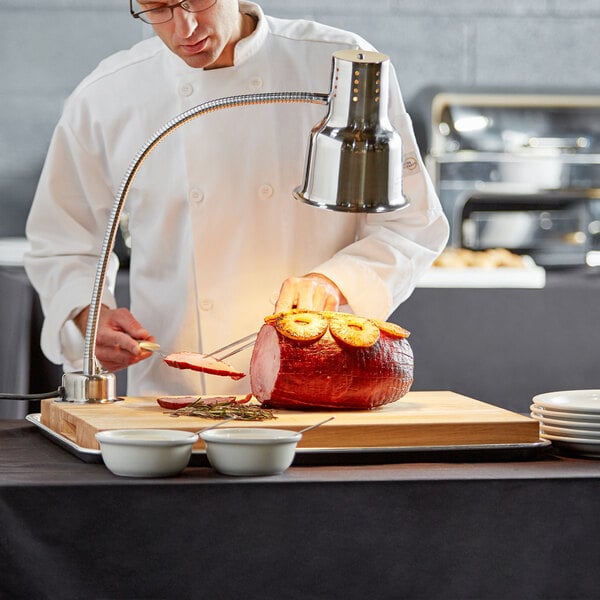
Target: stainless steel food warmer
520, 171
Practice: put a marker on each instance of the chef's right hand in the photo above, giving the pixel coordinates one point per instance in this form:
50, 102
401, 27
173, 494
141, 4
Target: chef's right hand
118, 338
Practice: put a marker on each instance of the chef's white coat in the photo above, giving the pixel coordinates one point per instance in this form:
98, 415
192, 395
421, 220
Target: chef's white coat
214, 227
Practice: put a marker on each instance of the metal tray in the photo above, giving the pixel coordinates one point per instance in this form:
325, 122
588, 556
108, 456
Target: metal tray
350, 456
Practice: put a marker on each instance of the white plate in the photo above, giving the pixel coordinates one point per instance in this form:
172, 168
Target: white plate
562, 415
581, 446
569, 423
570, 433
562, 438
571, 401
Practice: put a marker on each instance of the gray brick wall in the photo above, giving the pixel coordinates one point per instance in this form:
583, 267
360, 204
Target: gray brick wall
508, 44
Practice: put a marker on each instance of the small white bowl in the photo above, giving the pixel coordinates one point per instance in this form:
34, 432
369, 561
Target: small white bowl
146, 452
250, 450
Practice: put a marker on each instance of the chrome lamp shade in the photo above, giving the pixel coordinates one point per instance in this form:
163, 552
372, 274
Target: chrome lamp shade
354, 160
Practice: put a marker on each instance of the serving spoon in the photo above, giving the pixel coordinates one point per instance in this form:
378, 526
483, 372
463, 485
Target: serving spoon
315, 425
215, 425
234, 417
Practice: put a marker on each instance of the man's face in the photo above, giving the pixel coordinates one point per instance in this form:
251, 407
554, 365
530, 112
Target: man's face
205, 39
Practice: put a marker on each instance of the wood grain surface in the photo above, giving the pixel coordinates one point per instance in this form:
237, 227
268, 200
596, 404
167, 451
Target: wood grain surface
437, 418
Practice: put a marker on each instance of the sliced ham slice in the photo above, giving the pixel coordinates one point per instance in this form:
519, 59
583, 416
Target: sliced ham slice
203, 363
175, 402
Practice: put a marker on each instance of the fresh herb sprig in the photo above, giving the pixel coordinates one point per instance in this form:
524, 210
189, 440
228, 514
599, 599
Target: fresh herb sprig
222, 410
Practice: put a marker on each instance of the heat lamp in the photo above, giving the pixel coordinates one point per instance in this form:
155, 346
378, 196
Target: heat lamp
354, 164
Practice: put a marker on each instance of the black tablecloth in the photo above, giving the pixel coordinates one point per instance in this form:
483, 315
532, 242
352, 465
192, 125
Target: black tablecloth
515, 530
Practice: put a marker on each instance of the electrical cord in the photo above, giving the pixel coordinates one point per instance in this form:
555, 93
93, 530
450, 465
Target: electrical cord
59, 393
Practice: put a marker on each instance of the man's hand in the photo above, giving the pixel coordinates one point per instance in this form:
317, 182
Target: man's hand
313, 292
119, 334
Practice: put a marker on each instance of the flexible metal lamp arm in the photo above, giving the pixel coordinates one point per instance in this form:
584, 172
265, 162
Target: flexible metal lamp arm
91, 368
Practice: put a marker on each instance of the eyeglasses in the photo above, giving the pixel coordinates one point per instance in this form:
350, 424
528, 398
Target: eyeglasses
164, 13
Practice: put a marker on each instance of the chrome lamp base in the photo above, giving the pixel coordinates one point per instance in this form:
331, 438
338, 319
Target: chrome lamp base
89, 389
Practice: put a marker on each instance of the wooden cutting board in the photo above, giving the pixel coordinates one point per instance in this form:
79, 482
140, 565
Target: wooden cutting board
419, 419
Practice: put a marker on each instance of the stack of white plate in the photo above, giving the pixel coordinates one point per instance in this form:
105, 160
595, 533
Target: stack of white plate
570, 420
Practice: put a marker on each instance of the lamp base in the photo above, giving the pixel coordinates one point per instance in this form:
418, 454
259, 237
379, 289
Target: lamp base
89, 389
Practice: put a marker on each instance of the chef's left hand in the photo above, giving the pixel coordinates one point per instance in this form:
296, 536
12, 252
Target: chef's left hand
312, 291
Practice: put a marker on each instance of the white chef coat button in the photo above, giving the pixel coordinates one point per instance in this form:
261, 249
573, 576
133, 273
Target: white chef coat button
265, 190
256, 83
196, 195
206, 304
186, 89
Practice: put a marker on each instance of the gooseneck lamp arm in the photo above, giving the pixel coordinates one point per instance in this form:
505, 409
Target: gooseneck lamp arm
90, 366
354, 138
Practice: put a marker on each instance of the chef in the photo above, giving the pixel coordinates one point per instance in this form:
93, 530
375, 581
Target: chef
217, 240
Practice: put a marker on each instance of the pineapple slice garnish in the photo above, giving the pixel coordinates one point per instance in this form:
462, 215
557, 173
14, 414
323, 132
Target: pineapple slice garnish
271, 319
354, 331
391, 329
305, 326
310, 325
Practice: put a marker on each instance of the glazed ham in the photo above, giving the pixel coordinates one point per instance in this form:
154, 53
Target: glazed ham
203, 363
325, 373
